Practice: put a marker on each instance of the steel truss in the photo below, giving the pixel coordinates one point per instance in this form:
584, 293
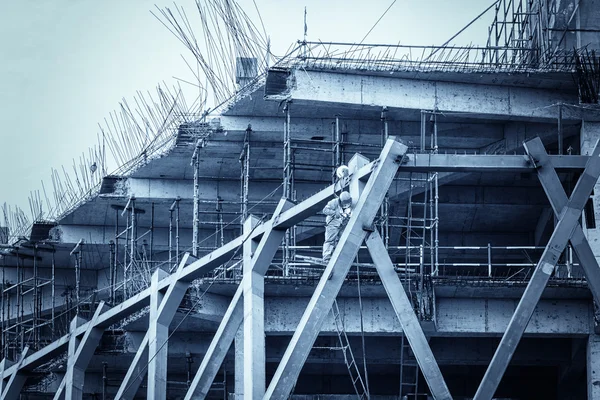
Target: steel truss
368, 184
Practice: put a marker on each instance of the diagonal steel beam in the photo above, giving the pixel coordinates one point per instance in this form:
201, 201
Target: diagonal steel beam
4, 364
331, 281
234, 316
136, 372
12, 388
568, 221
218, 348
166, 312
411, 326
81, 352
558, 199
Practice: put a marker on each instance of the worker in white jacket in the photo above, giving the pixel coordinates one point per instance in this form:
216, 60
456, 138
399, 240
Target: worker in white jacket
338, 213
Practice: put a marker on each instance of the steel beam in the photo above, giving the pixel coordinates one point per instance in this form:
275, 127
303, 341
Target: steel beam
567, 223
166, 309
79, 356
558, 199
158, 335
485, 163
12, 388
136, 372
331, 281
218, 348
253, 331
4, 364
234, 316
411, 326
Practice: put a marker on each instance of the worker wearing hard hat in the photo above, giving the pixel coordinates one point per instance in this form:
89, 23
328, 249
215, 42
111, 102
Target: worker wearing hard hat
338, 213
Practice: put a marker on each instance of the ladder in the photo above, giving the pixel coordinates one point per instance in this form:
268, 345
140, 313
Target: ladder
409, 373
355, 376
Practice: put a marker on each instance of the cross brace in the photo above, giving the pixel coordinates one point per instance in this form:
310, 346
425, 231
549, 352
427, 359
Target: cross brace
165, 313
567, 224
80, 355
234, 316
333, 277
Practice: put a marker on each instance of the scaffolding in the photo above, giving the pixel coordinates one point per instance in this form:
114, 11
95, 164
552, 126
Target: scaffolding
23, 319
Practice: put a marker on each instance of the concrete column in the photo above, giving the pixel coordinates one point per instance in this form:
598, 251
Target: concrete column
158, 334
593, 367
239, 364
253, 283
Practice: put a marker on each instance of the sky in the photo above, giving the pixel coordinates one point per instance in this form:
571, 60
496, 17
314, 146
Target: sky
66, 64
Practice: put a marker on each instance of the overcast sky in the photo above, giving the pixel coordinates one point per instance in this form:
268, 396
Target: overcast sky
66, 64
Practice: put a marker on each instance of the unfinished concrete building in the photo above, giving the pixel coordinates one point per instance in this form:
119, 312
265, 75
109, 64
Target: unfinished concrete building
468, 268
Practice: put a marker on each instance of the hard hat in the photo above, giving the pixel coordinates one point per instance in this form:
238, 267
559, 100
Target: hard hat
345, 199
342, 172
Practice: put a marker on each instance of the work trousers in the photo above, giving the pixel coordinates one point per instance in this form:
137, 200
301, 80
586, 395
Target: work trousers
332, 234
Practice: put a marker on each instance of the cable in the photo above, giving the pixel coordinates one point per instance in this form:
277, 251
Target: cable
462, 30
373, 27
362, 330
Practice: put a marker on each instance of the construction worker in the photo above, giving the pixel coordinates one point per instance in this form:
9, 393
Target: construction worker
338, 213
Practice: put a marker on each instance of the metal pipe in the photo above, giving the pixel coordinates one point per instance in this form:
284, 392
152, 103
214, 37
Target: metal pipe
133, 243
152, 231
36, 307
125, 262
489, 254
170, 237
104, 380
177, 231
196, 217
560, 130
52, 311
112, 272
